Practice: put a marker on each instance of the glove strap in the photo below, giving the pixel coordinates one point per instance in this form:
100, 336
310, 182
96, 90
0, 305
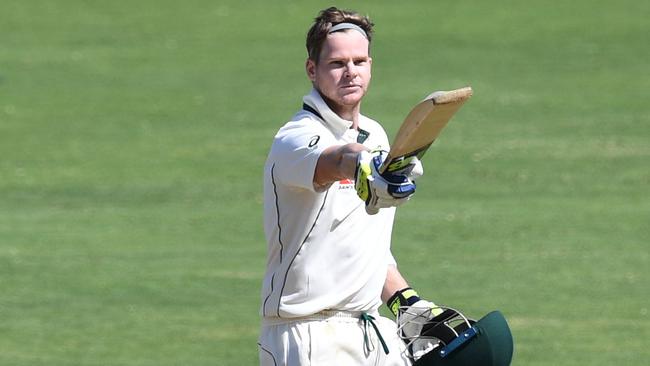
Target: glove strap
404, 297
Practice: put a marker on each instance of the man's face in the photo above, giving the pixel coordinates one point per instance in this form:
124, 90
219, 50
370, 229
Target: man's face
342, 74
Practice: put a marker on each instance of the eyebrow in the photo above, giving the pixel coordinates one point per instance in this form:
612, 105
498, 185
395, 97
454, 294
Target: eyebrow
355, 58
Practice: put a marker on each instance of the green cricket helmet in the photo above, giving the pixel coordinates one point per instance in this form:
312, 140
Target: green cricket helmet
461, 341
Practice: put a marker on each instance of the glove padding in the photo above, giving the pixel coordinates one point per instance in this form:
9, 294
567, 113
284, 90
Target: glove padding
409, 166
387, 190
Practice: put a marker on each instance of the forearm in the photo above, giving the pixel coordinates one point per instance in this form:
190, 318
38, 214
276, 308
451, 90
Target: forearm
337, 163
394, 282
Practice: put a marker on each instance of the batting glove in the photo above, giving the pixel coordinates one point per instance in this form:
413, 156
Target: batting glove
410, 167
412, 314
377, 190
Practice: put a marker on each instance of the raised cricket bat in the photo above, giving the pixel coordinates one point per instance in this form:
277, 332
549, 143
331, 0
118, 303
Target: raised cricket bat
422, 126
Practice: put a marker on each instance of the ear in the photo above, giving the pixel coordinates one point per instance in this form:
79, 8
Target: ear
310, 68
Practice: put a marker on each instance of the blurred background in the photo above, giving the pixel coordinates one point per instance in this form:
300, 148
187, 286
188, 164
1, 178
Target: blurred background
133, 136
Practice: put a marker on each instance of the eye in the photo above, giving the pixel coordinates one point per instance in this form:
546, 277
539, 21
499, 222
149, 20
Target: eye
337, 63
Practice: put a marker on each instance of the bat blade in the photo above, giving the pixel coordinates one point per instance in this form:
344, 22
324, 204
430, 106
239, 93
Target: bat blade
422, 126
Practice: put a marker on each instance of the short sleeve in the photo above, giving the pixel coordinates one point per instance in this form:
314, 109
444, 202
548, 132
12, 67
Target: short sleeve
295, 152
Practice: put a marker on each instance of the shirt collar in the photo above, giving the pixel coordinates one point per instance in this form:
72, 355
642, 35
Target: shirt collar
331, 119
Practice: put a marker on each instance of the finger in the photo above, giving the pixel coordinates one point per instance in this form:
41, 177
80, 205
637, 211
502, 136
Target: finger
402, 190
417, 169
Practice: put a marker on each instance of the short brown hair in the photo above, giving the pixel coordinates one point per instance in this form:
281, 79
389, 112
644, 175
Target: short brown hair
324, 22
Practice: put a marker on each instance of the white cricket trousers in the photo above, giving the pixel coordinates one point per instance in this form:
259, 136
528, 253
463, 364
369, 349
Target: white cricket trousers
331, 339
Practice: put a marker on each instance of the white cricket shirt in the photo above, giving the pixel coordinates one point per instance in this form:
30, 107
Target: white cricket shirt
324, 251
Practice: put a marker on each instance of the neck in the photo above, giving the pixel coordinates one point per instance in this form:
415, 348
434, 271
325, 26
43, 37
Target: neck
350, 113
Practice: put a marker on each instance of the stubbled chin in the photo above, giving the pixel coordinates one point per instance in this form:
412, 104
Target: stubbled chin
351, 96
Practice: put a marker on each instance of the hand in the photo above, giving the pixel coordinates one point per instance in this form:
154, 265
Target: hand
381, 191
410, 167
412, 314
410, 323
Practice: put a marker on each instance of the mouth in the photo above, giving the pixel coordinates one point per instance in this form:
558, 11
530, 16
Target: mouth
354, 86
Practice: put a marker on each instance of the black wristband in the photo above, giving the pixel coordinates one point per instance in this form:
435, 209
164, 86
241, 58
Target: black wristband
404, 297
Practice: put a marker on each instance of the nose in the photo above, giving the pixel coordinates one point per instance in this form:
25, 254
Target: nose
351, 70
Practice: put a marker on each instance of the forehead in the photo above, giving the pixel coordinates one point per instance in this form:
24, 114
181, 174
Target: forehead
348, 43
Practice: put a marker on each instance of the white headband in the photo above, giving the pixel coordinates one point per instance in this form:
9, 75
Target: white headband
344, 26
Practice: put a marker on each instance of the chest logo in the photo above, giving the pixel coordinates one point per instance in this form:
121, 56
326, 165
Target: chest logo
346, 184
314, 140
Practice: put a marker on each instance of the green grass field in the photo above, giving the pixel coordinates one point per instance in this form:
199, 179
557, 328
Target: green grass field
133, 135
